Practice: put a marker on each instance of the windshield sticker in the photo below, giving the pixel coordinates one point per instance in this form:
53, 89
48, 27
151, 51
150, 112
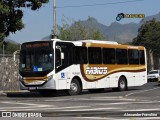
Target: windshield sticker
40, 69
23, 65
35, 68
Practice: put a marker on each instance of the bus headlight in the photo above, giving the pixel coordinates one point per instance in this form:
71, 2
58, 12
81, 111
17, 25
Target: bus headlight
50, 77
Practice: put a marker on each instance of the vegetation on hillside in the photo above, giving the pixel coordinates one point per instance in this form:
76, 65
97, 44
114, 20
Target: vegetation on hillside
149, 36
78, 31
9, 48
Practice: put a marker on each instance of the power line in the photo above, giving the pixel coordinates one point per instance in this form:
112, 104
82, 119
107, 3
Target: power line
103, 4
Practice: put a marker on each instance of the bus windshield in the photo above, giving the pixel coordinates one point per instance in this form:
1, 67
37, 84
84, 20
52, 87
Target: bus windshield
34, 58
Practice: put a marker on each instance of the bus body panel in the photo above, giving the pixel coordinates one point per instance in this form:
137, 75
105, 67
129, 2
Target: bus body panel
91, 75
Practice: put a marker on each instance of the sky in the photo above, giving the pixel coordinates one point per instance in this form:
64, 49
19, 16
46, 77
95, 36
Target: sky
39, 23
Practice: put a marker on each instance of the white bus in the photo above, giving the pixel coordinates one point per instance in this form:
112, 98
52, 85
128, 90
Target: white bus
91, 65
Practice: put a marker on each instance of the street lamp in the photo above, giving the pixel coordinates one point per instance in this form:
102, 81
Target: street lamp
54, 20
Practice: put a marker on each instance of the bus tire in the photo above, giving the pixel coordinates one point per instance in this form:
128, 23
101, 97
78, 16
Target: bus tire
122, 84
75, 88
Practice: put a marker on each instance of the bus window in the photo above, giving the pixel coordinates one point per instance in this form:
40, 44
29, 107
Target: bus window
94, 55
79, 55
58, 57
133, 56
142, 57
108, 55
121, 56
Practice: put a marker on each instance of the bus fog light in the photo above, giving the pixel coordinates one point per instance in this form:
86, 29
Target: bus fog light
50, 77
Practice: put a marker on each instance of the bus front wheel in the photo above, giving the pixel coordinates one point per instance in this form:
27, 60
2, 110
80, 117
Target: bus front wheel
122, 84
75, 88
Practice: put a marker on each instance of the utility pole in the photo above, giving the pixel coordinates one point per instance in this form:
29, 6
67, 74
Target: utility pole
3, 51
54, 20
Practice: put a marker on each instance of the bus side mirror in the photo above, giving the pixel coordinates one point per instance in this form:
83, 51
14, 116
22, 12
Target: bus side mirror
14, 54
59, 56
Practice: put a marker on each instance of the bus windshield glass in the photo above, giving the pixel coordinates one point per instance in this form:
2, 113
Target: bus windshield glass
36, 57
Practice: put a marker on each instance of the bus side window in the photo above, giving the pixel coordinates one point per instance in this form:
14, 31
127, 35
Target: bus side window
79, 55
133, 56
94, 55
121, 56
108, 55
142, 57
58, 57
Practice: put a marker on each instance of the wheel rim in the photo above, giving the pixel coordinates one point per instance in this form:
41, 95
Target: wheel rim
122, 84
74, 87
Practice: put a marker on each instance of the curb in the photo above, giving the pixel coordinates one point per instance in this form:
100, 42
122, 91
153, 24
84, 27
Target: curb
4, 93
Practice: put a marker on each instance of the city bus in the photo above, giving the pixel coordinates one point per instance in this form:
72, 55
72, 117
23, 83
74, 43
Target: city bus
73, 66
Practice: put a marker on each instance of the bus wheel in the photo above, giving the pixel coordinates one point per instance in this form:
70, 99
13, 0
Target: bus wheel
75, 88
122, 84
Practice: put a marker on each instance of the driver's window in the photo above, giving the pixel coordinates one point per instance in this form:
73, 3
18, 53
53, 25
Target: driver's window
58, 57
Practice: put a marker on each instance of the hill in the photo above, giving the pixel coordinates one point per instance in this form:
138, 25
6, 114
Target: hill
116, 32
12, 46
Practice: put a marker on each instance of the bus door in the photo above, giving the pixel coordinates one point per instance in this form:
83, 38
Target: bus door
62, 61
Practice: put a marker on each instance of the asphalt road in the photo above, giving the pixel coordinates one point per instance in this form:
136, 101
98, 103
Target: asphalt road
138, 103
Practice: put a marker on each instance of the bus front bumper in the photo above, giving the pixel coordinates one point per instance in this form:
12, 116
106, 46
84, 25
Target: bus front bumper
48, 85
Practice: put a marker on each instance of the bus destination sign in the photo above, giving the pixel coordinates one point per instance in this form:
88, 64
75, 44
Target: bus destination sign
37, 45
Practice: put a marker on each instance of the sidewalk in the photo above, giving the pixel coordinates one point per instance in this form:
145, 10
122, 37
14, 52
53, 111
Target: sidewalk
4, 93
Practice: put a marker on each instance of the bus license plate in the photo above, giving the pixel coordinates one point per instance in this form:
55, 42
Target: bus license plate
32, 88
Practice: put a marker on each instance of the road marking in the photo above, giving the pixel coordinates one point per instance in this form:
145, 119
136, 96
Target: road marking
22, 103
92, 98
108, 97
148, 118
102, 118
122, 118
93, 109
141, 91
59, 100
122, 103
119, 103
39, 108
9, 108
143, 110
116, 99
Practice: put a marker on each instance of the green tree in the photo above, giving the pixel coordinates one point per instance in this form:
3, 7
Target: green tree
11, 14
149, 36
79, 31
10, 48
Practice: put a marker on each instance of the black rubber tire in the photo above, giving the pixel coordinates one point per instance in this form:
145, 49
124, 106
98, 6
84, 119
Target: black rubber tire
75, 88
122, 84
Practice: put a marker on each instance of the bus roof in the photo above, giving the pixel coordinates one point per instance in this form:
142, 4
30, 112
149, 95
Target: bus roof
98, 41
